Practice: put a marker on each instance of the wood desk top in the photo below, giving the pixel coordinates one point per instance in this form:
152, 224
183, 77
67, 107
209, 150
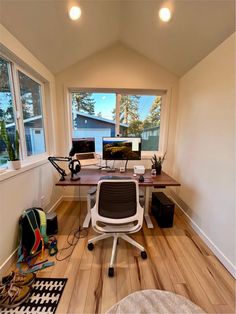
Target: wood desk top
90, 177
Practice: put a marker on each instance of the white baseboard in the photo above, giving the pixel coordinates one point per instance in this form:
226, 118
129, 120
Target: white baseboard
74, 198
66, 198
55, 205
8, 263
219, 254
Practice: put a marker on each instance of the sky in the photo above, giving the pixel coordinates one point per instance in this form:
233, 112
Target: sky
106, 102
5, 98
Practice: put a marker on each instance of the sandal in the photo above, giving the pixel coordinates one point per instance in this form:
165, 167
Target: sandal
12, 296
19, 279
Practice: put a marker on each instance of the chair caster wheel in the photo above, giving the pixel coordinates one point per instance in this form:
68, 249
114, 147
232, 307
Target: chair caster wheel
90, 246
110, 272
143, 254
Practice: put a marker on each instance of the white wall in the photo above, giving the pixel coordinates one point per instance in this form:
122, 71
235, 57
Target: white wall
205, 149
117, 68
25, 189
19, 193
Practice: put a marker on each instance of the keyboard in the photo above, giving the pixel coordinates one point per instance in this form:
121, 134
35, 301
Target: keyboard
87, 159
110, 177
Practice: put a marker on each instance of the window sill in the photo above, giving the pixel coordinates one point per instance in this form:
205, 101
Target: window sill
7, 174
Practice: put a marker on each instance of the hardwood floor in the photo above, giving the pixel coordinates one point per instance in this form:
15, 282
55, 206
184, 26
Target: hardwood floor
178, 261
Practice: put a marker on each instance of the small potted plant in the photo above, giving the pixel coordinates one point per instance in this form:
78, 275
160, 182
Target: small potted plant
157, 163
12, 147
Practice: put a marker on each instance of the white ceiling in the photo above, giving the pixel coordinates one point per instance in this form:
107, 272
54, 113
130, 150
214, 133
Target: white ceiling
196, 28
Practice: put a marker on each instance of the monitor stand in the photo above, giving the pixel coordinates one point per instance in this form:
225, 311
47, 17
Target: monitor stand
108, 168
111, 170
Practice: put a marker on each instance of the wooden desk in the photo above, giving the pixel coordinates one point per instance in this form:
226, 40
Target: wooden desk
90, 177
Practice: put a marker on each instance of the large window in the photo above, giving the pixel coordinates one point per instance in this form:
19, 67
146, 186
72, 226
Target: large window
21, 109
109, 114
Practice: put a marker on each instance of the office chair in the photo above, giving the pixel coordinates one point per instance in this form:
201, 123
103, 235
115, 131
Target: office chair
116, 213
91, 200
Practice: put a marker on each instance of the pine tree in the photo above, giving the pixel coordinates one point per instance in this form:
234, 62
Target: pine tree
153, 119
129, 108
83, 102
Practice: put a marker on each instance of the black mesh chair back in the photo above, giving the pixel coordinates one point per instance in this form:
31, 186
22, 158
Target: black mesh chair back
117, 200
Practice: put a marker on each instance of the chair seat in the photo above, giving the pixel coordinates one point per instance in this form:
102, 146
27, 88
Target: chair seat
123, 228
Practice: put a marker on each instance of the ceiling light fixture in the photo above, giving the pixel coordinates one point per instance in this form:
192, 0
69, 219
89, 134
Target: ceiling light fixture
165, 14
75, 13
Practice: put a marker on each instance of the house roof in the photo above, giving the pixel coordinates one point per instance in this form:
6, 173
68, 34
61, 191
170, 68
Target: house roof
100, 119
196, 28
151, 128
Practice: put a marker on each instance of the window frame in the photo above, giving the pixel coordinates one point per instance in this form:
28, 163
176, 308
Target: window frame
18, 112
164, 125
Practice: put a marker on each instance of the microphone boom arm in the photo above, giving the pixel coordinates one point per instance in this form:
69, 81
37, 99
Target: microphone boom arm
59, 169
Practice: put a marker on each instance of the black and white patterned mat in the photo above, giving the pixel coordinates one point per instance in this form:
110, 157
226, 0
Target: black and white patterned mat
44, 298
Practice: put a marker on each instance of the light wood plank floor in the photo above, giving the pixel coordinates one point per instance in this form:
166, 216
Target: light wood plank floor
178, 261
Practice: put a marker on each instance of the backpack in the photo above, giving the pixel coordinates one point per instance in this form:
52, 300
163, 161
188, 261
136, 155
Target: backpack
33, 237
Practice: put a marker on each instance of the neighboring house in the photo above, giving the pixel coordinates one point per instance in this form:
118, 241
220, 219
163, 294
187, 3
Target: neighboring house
150, 138
86, 125
34, 135
86, 121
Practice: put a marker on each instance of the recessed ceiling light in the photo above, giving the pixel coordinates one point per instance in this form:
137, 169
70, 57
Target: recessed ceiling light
75, 13
165, 14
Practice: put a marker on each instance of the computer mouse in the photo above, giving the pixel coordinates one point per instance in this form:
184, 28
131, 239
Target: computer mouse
141, 178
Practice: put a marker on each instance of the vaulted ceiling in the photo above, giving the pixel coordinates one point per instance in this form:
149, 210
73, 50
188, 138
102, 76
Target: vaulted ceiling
196, 28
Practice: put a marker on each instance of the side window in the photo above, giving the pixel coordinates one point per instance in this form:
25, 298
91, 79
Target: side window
21, 109
6, 106
31, 102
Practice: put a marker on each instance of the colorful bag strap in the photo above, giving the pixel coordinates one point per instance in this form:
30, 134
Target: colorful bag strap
30, 215
43, 225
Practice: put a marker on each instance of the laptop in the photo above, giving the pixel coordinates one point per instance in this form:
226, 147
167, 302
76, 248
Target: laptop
87, 159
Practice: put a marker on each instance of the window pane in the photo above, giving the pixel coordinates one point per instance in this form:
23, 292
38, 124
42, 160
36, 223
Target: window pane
30, 92
93, 115
140, 116
6, 107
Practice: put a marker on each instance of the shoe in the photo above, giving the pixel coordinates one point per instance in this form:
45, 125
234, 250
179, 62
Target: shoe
12, 296
19, 279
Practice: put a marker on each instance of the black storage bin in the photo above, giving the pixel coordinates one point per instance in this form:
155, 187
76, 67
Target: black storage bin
162, 209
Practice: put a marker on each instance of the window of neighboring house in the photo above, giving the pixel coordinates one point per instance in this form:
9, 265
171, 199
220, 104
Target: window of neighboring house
28, 107
108, 114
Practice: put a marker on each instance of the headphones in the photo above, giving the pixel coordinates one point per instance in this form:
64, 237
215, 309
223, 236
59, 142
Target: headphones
75, 167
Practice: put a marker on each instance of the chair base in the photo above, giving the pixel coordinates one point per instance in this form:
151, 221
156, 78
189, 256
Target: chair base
116, 236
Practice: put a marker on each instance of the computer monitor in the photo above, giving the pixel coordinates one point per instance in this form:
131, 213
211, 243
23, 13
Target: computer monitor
82, 145
121, 148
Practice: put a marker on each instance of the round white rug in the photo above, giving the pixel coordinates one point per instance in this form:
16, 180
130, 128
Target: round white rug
154, 301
